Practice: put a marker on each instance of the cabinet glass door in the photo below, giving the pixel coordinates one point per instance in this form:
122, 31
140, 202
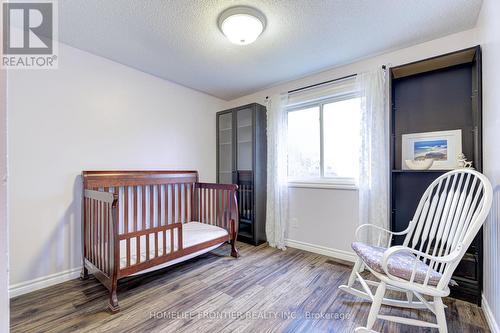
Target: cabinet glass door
225, 122
244, 166
244, 140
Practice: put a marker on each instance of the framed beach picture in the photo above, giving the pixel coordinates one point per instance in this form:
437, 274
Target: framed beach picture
443, 147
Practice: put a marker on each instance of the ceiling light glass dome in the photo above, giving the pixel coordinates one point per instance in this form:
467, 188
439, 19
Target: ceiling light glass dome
242, 25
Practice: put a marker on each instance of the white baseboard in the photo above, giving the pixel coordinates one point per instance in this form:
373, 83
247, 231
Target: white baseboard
43, 282
490, 318
326, 251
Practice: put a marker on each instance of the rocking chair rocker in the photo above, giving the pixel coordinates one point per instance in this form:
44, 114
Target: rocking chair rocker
448, 217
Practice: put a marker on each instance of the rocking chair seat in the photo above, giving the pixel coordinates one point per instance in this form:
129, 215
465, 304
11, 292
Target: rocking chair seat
400, 264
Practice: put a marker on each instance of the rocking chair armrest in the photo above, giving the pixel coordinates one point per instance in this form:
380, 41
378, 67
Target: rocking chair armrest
452, 257
368, 225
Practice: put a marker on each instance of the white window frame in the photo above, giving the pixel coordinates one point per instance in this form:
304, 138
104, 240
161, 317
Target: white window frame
347, 183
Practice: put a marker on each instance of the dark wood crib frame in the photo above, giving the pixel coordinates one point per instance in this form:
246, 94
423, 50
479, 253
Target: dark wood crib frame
214, 204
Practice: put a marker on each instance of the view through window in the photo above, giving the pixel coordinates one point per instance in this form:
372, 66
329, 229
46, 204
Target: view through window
323, 140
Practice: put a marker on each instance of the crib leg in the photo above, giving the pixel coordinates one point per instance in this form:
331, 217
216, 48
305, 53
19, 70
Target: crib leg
113, 299
234, 250
113, 302
84, 274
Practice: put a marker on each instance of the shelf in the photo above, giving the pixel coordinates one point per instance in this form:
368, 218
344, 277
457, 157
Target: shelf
246, 141
243, 126
225, 129
224, 171
419, 171
224, 143
245, 234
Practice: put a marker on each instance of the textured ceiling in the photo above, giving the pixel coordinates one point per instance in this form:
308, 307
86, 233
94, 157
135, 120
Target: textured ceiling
178, 40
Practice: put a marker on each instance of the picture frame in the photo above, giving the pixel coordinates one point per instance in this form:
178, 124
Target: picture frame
441, 146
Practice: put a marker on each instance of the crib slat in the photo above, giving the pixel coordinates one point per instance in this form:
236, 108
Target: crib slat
202, 201
91, 229
106, 241
171, 231
111, 250
172, 198
158, 222
105, 238
230, 206
180, 246
143, 225
166, 204
165, 242
199, 205
94, 245
90, 219
217, 208
210, 221
125, 222
194, 204
101, 229
104, 234
190, 207
158, 216
96, 224
185, 186
151, 216
134, 224
214, 207
101, 240
99, 236
179, 199
205, 205
86, 227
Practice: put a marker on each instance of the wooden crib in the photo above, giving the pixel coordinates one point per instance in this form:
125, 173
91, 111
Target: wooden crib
139, 221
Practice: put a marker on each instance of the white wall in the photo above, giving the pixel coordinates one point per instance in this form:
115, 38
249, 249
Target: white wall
4, 247
489, 34
327, 218
91, 113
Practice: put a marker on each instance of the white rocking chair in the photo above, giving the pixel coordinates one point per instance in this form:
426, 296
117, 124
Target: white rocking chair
448, 217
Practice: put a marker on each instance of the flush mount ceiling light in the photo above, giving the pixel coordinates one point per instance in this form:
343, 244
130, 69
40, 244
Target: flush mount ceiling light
242, 25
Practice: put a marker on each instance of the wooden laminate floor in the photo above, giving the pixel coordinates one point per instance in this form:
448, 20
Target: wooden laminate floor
265, 290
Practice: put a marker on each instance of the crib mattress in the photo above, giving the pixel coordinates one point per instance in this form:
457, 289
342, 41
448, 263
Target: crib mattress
193, 233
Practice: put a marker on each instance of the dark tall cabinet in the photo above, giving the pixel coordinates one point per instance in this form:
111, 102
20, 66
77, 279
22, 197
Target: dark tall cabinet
241, 159
437, 94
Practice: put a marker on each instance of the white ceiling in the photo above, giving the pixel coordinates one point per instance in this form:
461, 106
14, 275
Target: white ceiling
178, 40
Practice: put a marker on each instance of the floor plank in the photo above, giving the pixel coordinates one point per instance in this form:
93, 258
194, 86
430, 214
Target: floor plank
265, 290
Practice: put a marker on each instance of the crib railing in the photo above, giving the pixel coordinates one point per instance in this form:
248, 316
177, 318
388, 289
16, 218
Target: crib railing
151, 219
216, 204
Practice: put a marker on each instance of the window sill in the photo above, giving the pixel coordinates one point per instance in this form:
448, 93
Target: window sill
324, 185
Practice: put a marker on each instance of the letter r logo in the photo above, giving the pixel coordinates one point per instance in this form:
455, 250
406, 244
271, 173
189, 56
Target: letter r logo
27, 28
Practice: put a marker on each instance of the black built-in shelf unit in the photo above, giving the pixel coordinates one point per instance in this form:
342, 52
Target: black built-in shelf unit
242, 160
437, 94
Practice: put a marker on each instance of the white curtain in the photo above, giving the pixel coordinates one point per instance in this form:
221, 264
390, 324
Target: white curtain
277, 187
374, 150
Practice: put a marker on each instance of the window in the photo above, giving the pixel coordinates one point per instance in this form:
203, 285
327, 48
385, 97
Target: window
323, 140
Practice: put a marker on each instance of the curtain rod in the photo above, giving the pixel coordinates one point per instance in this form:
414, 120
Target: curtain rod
324, 82
321, 83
